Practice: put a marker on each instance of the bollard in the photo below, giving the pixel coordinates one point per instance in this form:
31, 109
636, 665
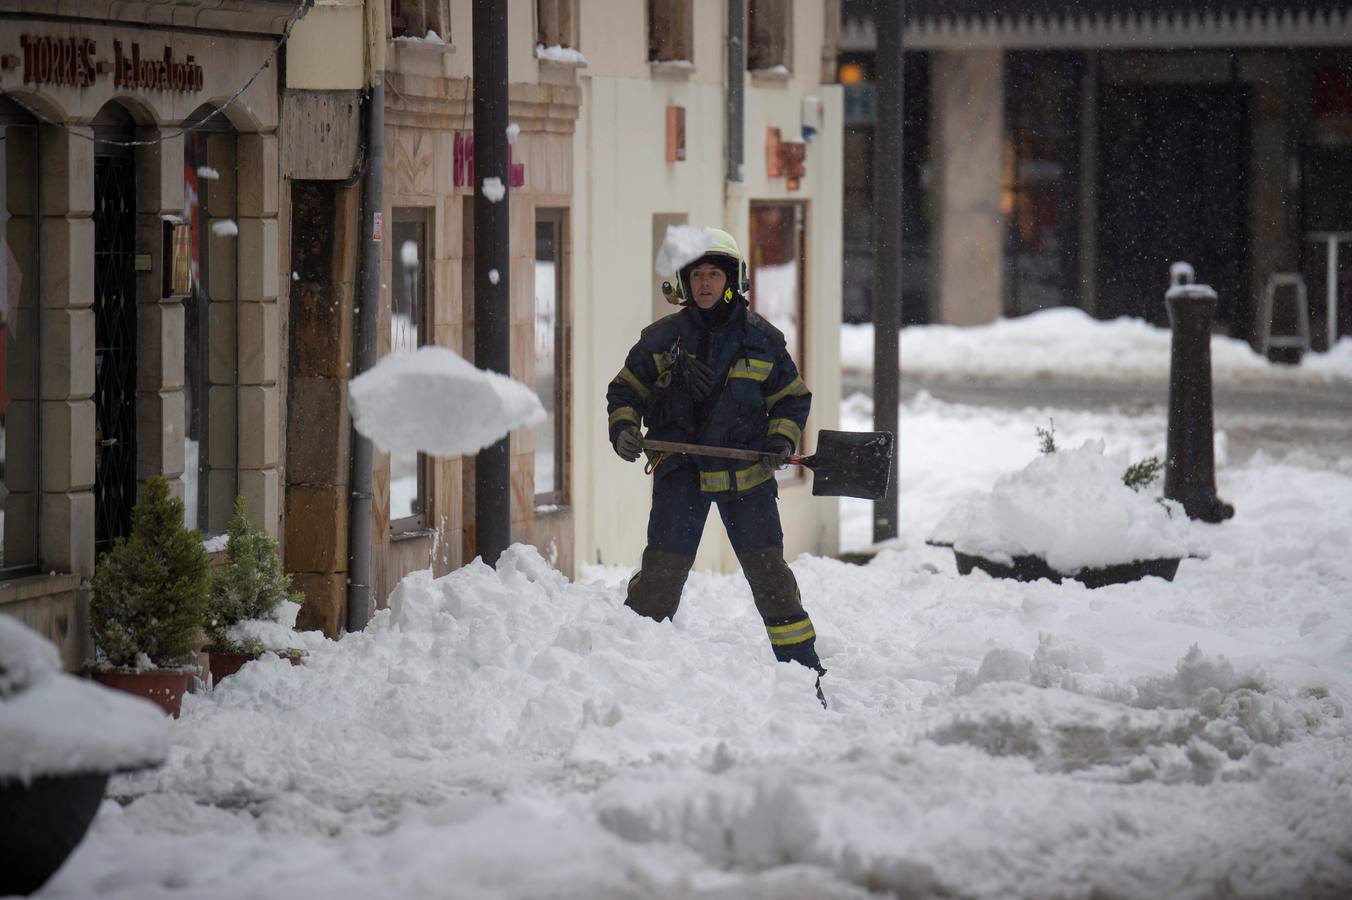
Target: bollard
1190, 459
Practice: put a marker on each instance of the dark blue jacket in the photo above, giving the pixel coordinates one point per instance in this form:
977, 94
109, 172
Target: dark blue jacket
759, 394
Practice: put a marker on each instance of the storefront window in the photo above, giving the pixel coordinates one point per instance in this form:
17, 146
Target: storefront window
1040, 194
19, 458
549, 355
209, 211
777, 261
408, 332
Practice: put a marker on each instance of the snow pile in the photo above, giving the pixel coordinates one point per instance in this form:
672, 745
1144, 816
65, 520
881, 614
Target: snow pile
1072, 509
278, 632
557, 54
520, 735
52, 723
434, 401
1067, 344
683, 245
1204, 721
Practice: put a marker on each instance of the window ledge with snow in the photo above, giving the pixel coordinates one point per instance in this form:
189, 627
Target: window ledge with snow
431, 42
563, 57
671, 68
776, 75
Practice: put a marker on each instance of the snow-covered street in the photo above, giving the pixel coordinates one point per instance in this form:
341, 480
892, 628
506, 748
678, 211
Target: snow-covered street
511, 734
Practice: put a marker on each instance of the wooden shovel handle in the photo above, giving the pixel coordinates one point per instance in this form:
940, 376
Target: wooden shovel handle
702, 450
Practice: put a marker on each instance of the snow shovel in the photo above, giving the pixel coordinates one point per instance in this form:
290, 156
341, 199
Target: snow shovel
846, 464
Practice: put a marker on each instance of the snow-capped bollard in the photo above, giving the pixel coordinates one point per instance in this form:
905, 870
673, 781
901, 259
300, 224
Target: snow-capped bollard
1190, 464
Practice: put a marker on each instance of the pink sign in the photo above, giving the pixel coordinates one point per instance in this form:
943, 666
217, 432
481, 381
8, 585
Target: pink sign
462, 168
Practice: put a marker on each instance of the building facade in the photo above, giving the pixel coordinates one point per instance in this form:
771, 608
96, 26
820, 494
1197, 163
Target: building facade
140, 280
1066, 153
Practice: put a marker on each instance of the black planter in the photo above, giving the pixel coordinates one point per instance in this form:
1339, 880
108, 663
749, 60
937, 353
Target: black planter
1032, 568
41, 823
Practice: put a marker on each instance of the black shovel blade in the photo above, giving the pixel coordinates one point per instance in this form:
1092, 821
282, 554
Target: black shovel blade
852, 464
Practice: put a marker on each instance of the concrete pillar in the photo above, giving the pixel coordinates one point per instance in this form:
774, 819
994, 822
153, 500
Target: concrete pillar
967, 135
1272, 246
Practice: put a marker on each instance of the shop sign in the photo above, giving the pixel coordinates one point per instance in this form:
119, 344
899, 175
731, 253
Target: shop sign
785, 159
462, 163
75, 62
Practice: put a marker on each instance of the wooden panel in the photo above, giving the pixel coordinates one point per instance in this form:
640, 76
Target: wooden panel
320, 134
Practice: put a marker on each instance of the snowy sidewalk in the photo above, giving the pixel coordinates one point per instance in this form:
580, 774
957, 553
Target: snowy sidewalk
1067, 346
509, 734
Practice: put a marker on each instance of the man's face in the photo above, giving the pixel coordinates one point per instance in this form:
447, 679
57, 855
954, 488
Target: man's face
707, 283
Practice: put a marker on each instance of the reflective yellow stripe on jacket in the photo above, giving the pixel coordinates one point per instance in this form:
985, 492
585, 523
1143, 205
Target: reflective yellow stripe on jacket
714, 482
624, 414
633, 381
753, 369
794, 388
785, 428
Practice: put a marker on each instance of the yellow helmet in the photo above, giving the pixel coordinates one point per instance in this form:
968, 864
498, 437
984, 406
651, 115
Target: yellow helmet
723, 250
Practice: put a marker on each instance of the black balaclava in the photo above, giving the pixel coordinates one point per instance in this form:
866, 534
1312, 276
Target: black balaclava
717, 315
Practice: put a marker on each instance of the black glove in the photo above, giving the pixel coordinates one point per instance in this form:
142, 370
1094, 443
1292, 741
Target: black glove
699, 378
628, 444
777, 451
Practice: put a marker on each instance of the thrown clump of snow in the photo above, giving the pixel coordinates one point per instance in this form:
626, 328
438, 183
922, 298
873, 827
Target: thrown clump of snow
208, 173
512, 131
52, 723
493, 276
494, 189
682, 245
434, 401
1072, 509
224, 227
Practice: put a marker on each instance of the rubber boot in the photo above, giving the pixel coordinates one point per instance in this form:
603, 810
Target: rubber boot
788, 626
655, 589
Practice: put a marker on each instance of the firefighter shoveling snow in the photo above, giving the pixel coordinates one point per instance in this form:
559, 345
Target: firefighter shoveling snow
509, 733
434, 401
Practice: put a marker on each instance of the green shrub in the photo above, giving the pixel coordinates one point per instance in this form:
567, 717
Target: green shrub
1047, 437
150, 590
251, 584
1143, 473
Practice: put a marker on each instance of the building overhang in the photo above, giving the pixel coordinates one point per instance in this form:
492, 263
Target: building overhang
1086, 24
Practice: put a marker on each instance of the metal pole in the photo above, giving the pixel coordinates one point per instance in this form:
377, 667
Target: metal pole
364, 347
1190, 462
492, 236
736, 87
887, 237
1332, 286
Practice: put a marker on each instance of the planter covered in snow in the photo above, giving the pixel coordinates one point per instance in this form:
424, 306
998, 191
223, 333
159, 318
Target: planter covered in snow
62, 737
1069, 515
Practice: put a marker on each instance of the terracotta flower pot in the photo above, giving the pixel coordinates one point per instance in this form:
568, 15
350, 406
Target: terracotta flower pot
41, 823
225, 663
164, 686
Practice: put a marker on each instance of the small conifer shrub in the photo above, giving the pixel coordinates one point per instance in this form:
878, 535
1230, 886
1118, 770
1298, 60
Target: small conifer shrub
1141, 474
150, 590
251, 584
1047, 437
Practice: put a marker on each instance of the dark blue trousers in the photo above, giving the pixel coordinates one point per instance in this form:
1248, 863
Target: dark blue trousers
680, 510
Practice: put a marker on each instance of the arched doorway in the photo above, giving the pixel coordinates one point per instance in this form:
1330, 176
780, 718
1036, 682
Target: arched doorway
114, 325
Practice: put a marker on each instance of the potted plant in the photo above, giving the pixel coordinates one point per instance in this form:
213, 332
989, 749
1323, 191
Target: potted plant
150, 598
1071, 514
62, 737
251, 608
